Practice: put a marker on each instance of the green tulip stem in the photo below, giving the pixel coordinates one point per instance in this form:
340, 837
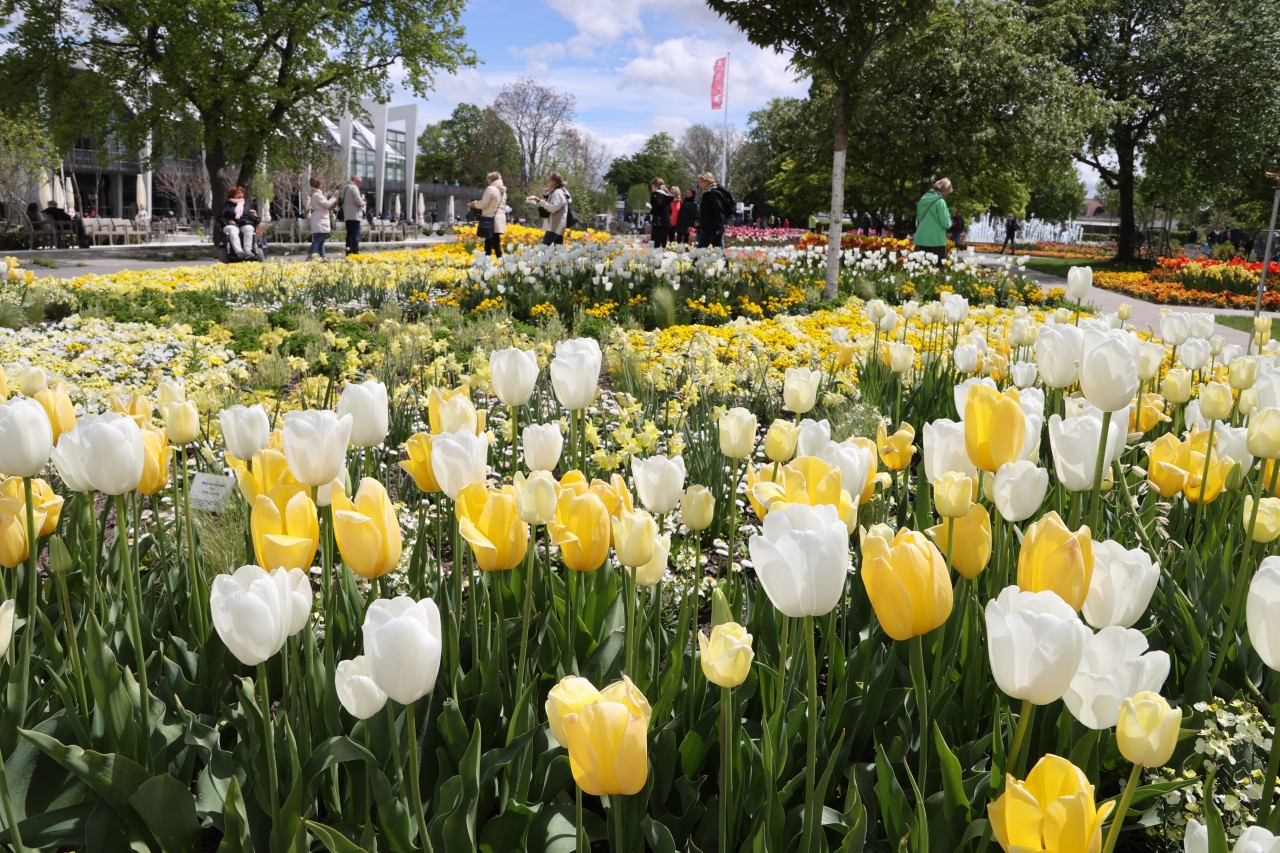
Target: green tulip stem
194, 576
812, 818
515, 438
530, 564
580, 835
1204, 484
632, 629
269, 743
1024, 723
33, 549
570, 583
1273, 760
733, 531
779, 708
10, 817
415, 770
922, 703
1097, 477
73, 645
135, 621
726, 769
1241, 584
1117, 818
616, 803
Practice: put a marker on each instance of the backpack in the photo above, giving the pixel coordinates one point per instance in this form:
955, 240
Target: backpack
727, 205
570, 218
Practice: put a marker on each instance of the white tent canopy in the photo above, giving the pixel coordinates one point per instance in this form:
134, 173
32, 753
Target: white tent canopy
141, 191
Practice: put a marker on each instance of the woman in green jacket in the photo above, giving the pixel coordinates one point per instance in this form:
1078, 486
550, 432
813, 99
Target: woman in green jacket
933, 220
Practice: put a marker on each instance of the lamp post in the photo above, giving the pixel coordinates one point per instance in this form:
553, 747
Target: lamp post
1266, 255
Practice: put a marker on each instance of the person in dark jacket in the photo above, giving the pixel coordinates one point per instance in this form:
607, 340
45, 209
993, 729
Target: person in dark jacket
714, 209
660, 211
1010, 232
687, 220
957, 230
239, 222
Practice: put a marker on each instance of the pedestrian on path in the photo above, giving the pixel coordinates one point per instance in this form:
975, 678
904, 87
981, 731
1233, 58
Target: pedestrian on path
933, 220
1011, 229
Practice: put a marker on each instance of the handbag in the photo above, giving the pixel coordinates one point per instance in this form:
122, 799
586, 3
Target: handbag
485, 228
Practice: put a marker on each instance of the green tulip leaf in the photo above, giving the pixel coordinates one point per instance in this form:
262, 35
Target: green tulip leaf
235, 823
169, 812
333, 841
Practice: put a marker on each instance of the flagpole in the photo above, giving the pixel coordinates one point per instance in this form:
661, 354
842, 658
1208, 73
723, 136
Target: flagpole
724, 146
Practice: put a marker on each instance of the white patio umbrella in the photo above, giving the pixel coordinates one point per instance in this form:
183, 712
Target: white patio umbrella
45, 194
448, 210
397, 206
422, 208
70, 195
140, 192
59, 198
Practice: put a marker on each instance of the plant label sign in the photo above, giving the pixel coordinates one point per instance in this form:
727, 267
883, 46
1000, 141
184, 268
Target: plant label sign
210, 492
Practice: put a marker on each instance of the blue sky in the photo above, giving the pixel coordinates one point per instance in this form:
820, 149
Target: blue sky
636, 67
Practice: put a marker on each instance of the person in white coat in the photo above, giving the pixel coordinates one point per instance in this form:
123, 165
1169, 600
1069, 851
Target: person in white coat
493, 214
353, 205
553, 207
321, 206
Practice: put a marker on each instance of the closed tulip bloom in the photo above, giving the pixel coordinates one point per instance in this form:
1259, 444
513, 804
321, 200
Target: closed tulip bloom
102, 453
6, 625
575, 373
514, 373
1115, 666
1035, 642
737, 433
608, 749
582, 531
245, 430
14, 542
1175, 327
800, 389
971, 550
659, 482
1058, 355
1262, 612
451, 410
1163, 472
697, 507
954, 308
1074, 444
1018, 489
57, 406
1150, 360
1215, 401
966, 358
855, 461
26, 438
570, 695
1052, 811
896, 450
802, 559
535, 497
655, 568
812, 437
315, 443
1177, 385
726, 657
994, 428
945, 449
899, 358
359, 694
952, 494
418, 465
458, 460
844, 352
1108, 369
488, 520
1147, 731
155, 464
1242, 372
1023, 374
1055, 558
634, 533
368, 407
249, 613
1079, 282
962, 390
780, 441
403, 641
31, 381
1233, 444
284, 527
368, 530
1263, 436
298, 598
47, 502
181, 422
1121, 585
907, 582
542, 445
1194, 353
1267, 525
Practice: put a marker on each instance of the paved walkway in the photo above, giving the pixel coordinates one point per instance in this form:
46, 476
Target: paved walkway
1145, 315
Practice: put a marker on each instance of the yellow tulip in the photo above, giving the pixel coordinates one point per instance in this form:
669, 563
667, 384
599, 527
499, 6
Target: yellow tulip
1163, 472
1148, 413
875, 480
181, 422
156, 453
807, 480
994, 427
698, 507
1215, 400
625, 692
581, 530
449, 408
285, 529
953, 494
1267, 527
573, 693
843, 354
1147, 732
907, 582
4, 384
1263, 436
368, 530
489, 521
1177, 385
1052, 811
634, 534
971, 550
1191, 458
535, 496
727, 656
614, 494
270, 469
1054, 558
896, 450
608, 749
57, 405
13, 531
135, 406
418, 465
780, 440
46, 500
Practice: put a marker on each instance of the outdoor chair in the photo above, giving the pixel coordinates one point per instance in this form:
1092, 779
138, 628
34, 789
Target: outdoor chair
40, 235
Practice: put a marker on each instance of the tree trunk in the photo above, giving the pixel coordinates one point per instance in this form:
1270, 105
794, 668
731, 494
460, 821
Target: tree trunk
215, 161
1126, 156
836, 212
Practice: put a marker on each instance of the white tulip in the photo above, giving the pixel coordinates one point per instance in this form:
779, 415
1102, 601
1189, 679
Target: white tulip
403, 641
26, 438
1115, 666
802, 558
542, 445
1121, 585
575, 373
251, 612
245, 430
514, 373
656, 569
369, 408
1018, 489
1201, 324
855, 462
1058, 355
945, 450
101, 453
459, 459
1109, 369
1262, 612
800, 389
1175, 328
966, 358
1079, 282
1150, 359
1194, 353
357, 691
1035, 642
1074, 444
6, 626
315, 445
1023, 374
659, 482
812, 437
298, 597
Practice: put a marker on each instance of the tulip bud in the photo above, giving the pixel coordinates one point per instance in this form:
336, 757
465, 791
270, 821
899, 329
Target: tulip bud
1263, 436
32, 380
966, 541
369, 409
1018, 489
315, 444
1262, 611
994, 428
245, 430
1124, 311
181, 423
458, 460
26, 438
1035, 641
659, 482
812, 437
542, 445
1053, 557
726, 657
359, 694
1108, 369
737, 433
697, 507
1266, 528
535, 497
1242, 373
57, 407
1056, 800
1147, 731
488, 519
1195, 353
907, 582
898, 357
800, 389
514, 374
634, 532
1121, 585
1150, 359
1177, 385
952, 494
403, 641
575, 373
656, 568
368, 530
803, 575
101, 453
1079, 282
1215, 401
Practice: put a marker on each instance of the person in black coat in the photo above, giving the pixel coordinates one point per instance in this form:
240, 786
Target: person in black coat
687, 220
660, 211
957, 230
1010, 233
714, 210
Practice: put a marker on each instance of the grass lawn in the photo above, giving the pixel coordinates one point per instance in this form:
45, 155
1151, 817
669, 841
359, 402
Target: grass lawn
1245, 324
1059, 266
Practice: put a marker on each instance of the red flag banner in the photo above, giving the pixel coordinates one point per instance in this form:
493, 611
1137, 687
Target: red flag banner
717, 85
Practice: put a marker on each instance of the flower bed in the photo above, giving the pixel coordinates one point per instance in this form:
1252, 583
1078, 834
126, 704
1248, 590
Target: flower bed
1163, 285
1047, 249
